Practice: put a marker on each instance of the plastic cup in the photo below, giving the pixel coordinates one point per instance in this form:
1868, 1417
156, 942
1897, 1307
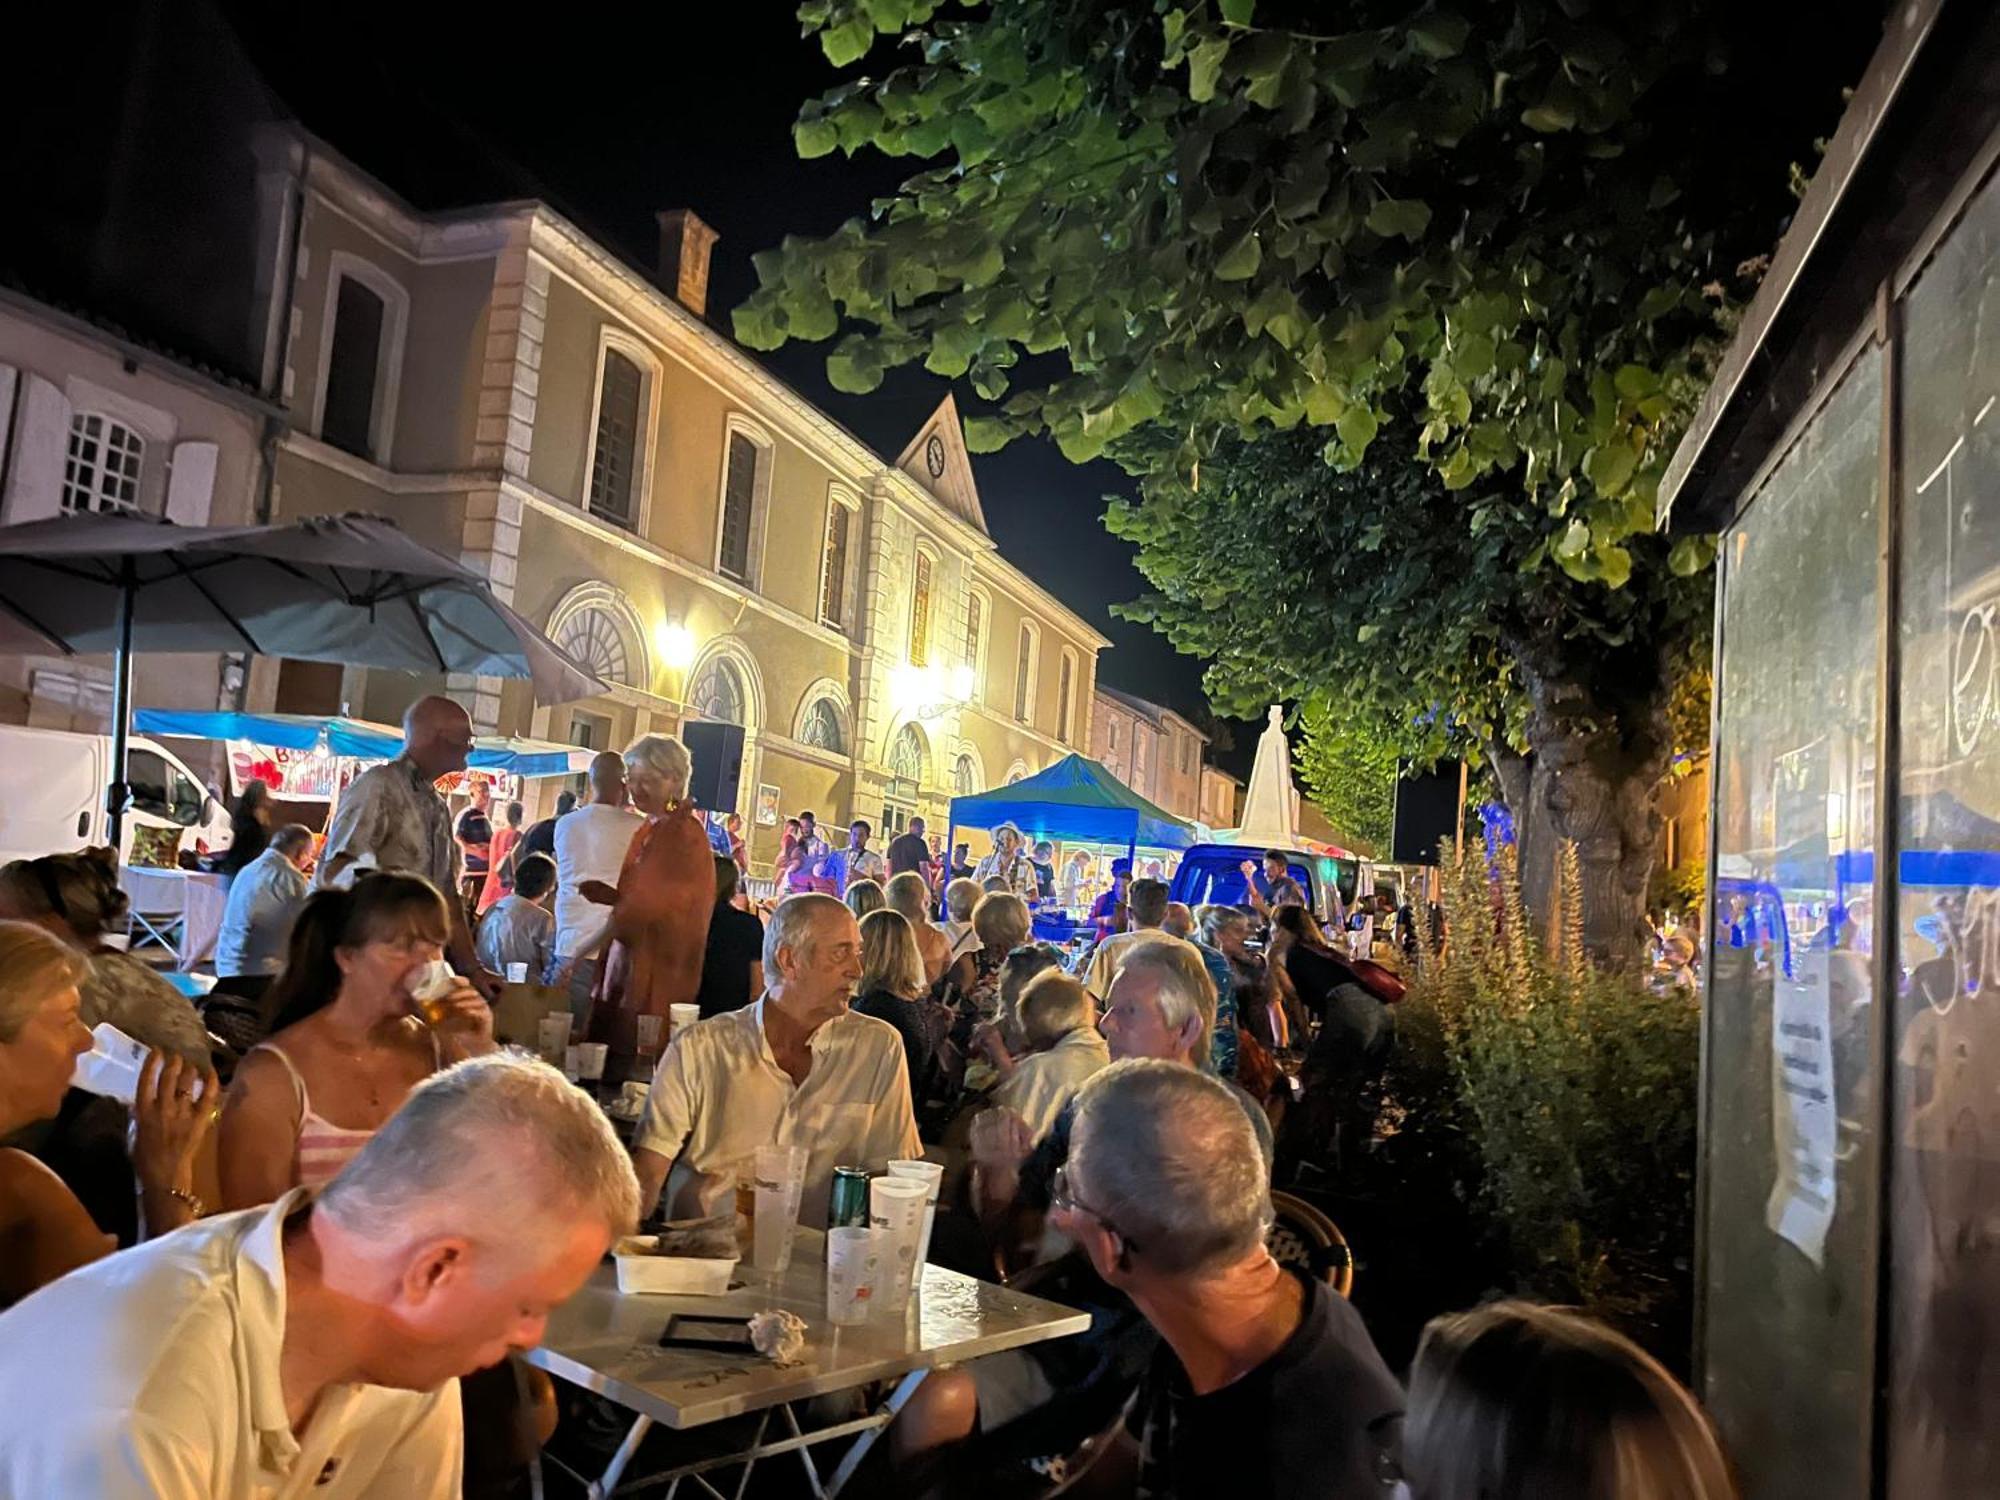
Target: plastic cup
590, 1059
681, 1015
517, 973
853, 1256
896, 1207
572, 1064
552, 1035
781, 1180
649, 1034
932, 1175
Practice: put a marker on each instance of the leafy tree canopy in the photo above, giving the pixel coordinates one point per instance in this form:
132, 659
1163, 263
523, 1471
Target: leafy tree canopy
1226, 216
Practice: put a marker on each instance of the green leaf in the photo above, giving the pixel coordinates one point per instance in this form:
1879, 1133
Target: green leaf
1635, 382
1573, 543
1609, 467
814, 137
1324, 404
1441, 34
1550, 116
985, 434
1237, 12
1690, 554
854, 367
1241, 260
1205, 67
1408, 217
1614, 564
848, 42
1357, 427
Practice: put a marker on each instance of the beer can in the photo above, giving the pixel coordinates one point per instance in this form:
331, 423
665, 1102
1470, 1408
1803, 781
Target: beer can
847, 1203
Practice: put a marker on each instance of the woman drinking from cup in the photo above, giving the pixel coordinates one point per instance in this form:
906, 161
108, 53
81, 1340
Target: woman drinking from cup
44, 1231
349, 1041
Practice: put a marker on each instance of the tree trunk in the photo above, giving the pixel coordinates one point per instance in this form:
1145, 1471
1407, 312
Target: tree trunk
1593, 770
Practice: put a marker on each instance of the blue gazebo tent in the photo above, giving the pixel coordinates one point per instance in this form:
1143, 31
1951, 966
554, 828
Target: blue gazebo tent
1077, 799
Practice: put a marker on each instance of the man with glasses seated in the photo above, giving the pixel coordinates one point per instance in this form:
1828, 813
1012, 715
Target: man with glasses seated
1161, 1006
1266, 1383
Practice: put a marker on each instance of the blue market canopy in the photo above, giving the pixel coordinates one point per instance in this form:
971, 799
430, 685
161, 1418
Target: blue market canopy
357, 739
1076, 798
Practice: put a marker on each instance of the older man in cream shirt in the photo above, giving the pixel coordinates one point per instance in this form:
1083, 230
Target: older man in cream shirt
796, 1068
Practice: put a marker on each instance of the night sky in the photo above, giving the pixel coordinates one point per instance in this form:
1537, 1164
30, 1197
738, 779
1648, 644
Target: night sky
682, 106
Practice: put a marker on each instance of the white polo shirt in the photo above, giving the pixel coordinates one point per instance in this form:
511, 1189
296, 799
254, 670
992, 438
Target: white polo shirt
154, 1373
719, 1094
591, 844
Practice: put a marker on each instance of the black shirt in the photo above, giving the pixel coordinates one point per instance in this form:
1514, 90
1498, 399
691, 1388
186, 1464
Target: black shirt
474, 829
735, 941
907, 1017
539, 839
1321, 1419
908, 854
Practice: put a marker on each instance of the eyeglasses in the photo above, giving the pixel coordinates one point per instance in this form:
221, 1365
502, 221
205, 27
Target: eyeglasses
1064, 1201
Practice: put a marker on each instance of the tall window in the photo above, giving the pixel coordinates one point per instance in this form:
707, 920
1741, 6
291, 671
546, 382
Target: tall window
614, 468
1024, 673
1065, 692
975, 640
833, 587
353, 368
920, 610
739, 502
102, 470
964, 779
906, 754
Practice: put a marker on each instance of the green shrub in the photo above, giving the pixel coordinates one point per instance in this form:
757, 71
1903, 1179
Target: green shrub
1577, 1087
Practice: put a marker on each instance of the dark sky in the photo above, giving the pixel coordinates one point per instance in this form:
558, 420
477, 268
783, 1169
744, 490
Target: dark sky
669, 106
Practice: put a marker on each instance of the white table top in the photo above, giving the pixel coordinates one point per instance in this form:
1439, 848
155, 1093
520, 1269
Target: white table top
608, 1342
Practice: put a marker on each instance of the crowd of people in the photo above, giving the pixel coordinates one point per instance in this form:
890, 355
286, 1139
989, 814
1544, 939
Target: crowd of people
346, 1207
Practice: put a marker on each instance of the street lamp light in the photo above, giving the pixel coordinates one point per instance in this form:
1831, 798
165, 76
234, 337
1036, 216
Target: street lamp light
928, 692
676, 645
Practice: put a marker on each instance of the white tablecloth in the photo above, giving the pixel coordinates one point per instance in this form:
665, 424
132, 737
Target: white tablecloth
194, 899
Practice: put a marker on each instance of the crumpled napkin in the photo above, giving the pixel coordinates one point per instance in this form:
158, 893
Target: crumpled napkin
778, 1335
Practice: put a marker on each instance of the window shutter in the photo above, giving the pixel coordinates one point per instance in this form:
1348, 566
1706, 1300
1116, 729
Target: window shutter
10, 381
33, 490
191, 484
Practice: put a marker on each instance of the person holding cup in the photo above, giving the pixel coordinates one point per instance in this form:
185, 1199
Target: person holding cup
348, 1041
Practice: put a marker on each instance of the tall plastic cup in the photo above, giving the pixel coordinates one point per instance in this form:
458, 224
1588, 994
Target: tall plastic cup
931, 1174
896, 1207
552, 1036
679, 1016
781, 1179
853, 1257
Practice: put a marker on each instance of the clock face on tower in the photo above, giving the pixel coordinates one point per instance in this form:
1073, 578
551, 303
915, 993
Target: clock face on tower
934, 456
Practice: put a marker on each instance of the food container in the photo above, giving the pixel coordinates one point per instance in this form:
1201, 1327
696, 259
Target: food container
640, 1270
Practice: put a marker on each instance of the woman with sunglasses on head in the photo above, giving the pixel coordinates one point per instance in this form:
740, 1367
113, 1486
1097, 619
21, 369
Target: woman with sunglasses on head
45, 1231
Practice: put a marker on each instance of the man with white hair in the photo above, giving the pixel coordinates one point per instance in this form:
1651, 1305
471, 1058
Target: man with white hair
797, 1067
313, 1347
1267, 1383
392, 818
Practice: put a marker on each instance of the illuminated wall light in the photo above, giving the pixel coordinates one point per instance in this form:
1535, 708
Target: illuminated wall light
676, 645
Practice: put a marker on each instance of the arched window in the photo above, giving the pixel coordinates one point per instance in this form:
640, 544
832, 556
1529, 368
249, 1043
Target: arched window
718, 693
594, 638
821, 727
906, 754
102, 469
964, 777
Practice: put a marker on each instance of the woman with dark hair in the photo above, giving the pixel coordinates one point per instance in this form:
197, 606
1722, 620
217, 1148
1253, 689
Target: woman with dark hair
1518, 1402
1335, 1109
249, 828
349, 1041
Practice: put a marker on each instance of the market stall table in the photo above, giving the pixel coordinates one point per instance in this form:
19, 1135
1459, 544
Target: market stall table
179, 910
607, 1342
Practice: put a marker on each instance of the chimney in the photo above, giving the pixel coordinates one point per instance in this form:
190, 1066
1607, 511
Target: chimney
684, 245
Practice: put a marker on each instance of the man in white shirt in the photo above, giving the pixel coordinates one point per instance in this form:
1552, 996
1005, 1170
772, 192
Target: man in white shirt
857, 861
311, 1350
796, 1068
591, 844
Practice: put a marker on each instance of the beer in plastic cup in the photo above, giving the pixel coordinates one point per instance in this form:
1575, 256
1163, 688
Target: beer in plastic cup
552, 1035
649, 1034
781, 1180
896, 1207
931, 1174
853, 1257
590, 1059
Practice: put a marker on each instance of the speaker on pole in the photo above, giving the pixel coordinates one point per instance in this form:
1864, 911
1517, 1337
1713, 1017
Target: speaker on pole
717, 751
1427, 810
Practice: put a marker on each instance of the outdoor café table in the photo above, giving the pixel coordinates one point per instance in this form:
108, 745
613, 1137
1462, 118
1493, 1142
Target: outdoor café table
607, 1342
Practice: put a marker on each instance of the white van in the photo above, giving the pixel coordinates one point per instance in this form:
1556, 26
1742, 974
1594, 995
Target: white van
52, 786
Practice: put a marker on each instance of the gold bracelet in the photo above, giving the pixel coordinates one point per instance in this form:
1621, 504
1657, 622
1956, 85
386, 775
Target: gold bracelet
196, 1208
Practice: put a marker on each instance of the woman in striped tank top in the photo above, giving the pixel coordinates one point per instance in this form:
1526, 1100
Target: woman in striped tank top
349, 1043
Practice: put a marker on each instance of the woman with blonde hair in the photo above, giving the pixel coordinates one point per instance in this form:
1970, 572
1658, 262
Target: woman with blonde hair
865, 896
44, 1230
892, 989
1519, 1402
907, 893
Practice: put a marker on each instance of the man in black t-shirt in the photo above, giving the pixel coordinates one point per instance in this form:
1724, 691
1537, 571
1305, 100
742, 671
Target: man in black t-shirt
908, 853
732, 965
1265, 1383
541, 837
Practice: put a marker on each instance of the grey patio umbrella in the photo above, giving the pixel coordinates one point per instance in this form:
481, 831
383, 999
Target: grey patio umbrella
334, 588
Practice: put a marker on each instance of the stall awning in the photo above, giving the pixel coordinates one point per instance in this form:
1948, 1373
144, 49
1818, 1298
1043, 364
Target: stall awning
1076, 798
357, 739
